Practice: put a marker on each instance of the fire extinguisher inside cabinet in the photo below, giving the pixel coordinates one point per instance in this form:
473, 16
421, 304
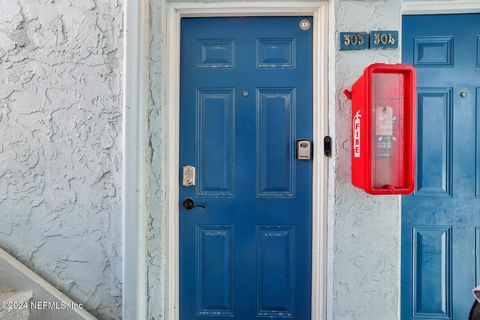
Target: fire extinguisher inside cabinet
383, 137
384, 130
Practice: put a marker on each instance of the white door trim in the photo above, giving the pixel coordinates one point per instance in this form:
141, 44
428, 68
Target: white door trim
439, 7
134, 146
319, 11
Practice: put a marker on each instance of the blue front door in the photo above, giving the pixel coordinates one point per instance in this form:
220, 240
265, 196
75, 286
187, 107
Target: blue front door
245, 99
441, 221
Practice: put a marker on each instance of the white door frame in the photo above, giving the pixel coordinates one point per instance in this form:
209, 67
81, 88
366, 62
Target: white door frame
135, 192
439, 7
319, 11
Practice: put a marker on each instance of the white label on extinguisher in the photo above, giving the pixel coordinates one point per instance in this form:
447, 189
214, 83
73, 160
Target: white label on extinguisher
356, 134
384, 121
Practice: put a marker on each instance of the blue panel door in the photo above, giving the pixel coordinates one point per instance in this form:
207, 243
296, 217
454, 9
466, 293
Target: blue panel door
441, 221
246, 98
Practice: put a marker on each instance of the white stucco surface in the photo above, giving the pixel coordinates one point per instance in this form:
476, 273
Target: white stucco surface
366, 229
60, 144
157, 175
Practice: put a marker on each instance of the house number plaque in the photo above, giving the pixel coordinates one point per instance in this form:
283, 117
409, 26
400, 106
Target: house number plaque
353, 40
365, 40
384, 39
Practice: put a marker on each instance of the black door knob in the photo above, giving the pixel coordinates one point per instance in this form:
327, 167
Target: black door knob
189, 204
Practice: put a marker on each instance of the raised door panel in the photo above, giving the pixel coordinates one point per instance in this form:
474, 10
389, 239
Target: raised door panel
477, 140
216, 53
434, 141
216, 141
215, 272
275, 271
432, 257
275, 142
433, 52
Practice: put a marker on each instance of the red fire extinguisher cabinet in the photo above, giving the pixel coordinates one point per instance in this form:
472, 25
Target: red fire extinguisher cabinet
383, 129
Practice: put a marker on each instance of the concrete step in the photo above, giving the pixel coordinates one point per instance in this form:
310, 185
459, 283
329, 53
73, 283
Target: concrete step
14, 305
47, 303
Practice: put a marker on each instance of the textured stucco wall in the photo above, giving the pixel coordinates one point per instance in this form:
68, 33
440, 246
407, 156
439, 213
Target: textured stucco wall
366, 229
60, 144
157, 175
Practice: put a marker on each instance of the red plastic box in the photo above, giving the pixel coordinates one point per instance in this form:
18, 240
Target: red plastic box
383, 129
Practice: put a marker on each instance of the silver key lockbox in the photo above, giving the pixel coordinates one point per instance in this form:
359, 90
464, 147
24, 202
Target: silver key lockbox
188, 176
304, 149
